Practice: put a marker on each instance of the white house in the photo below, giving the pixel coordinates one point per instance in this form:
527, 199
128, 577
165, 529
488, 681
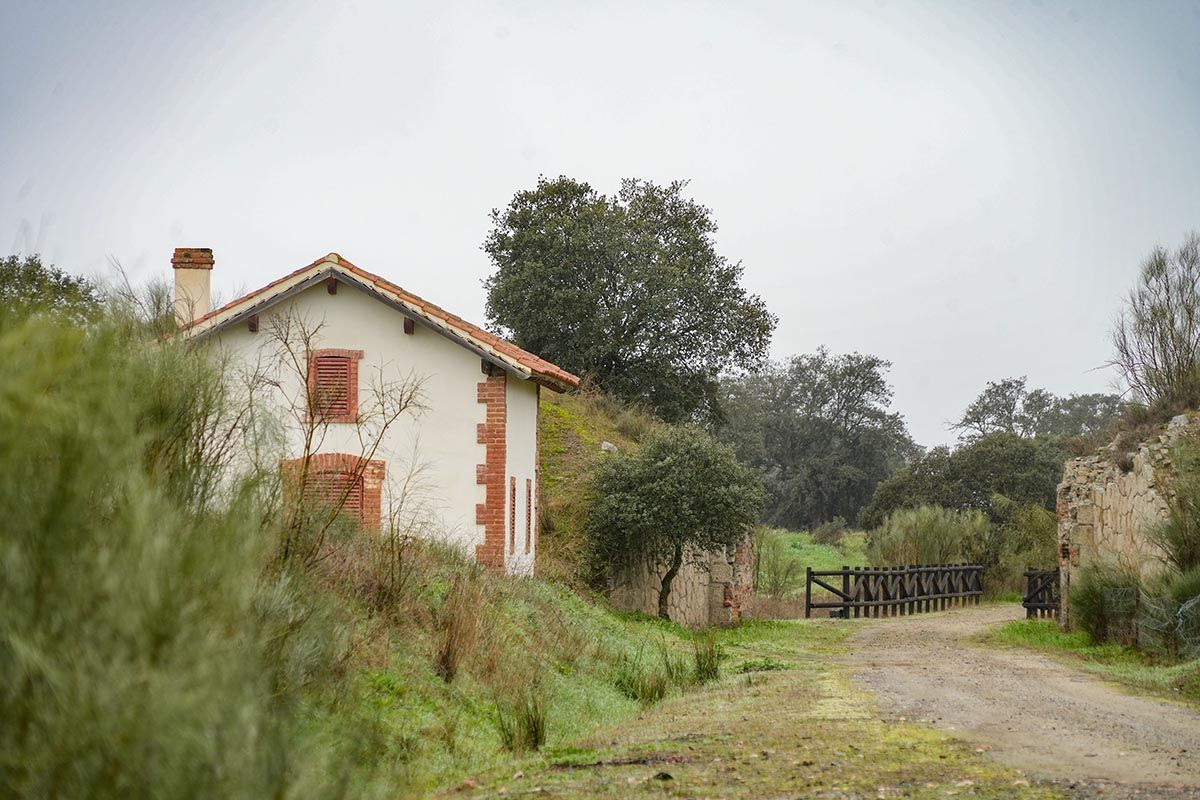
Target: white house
465, 451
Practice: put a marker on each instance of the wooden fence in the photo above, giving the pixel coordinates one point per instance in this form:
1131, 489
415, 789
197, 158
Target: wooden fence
894, 591
1041, 598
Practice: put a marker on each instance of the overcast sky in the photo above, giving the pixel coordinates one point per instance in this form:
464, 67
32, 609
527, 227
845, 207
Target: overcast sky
964, 189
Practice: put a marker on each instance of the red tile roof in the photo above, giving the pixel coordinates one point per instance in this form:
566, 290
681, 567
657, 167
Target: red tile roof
552, 375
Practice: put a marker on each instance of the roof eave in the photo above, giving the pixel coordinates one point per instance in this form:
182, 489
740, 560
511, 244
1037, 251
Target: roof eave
207, 327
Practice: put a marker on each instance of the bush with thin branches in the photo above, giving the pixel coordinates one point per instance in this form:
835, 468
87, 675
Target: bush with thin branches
1156, 339
144, 650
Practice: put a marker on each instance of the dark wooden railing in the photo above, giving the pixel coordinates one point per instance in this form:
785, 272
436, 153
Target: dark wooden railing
893, 591
1041, 597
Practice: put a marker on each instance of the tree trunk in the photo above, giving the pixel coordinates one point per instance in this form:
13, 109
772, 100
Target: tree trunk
664, 594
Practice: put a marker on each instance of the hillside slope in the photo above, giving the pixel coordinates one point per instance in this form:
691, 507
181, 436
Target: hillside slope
571, 433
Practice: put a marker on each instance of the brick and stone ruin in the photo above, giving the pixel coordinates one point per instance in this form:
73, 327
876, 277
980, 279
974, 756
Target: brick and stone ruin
710, 589
1107, 503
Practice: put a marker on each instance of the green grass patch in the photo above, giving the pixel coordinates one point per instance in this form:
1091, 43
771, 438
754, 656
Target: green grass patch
850, 552
1179, 680
764, 664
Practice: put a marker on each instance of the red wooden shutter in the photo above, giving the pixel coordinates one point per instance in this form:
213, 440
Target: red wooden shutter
331, 394
329, 488
350, 486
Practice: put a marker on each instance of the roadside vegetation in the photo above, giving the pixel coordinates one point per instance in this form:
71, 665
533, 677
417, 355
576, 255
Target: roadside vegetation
680, 492
783, 557
1139, 619
147, 595
1175, 679
784, 721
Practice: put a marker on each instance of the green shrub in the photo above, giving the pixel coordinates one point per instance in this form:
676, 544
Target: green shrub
522, 727
777, 570
708, 660
144, 649
1179, 534
1021, 536
681, 490
458, 623
830, 532
676, 668
637, 681
1103, 602
1186, 587
925, 535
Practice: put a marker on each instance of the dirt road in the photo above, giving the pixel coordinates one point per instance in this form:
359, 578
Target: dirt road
1027, 710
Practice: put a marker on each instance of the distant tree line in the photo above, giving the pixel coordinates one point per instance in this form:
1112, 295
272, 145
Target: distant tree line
819, 430
28, 286
630, 291
1009, 406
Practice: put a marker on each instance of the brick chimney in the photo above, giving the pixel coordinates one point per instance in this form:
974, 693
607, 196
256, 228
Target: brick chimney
193, 279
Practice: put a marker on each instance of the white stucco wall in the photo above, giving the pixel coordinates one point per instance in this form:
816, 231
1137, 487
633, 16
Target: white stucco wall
431, 454
521, 400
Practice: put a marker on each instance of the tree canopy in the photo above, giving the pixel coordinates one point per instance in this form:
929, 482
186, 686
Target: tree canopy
681, 490
628, 290
1010, 406
819, 430
28, 286
1021, 469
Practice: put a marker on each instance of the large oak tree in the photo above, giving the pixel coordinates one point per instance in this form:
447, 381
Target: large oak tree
628, 290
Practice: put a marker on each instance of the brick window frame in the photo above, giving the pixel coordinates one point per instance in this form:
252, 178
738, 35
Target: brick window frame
329, 474
512, 515
333, 373
528, 515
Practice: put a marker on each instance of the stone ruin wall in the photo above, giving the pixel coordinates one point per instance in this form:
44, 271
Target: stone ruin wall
1107, 502
710, 588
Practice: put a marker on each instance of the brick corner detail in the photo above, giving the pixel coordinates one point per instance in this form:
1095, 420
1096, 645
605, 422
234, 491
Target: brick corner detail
491, 393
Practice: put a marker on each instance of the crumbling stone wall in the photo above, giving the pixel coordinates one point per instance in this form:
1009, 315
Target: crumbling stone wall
1107, 503
710, 588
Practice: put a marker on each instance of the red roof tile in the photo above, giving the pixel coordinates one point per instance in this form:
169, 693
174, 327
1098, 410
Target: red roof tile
501, 347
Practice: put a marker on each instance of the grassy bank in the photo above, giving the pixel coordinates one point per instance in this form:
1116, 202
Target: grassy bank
783, 721
537, 657
572, 430
1177, 680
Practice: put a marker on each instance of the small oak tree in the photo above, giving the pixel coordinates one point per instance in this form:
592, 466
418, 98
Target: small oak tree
681, 493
